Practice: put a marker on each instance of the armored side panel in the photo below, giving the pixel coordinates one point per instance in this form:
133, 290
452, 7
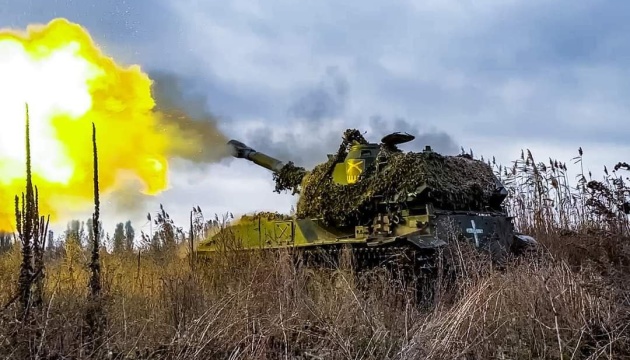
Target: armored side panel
488, 231
273, 232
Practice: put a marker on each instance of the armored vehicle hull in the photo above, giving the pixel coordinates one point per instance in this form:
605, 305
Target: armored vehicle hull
415, 240
385, 205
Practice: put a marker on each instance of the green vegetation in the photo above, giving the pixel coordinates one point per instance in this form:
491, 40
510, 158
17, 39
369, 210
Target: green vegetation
153, 299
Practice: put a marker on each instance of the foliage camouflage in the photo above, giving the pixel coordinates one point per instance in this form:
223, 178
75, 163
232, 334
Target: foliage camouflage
266, 215
455, 182
289, 178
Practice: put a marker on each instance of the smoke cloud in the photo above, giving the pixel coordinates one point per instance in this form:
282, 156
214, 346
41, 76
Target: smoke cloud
306, 142
439, 141
185, 110
326, 100
127, 198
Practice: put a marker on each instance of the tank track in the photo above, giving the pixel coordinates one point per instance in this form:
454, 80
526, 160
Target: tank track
364, 257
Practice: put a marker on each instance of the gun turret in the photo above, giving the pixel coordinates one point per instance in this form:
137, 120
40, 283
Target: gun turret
242, 151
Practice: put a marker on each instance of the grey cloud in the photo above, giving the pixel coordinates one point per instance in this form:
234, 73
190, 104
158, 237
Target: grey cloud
388, 126
205, 93
130, 28
293, 145
172, 90
300, 147
186, 109
318, 104
310, 146
128, 199
439, 141
326, 100
547, 46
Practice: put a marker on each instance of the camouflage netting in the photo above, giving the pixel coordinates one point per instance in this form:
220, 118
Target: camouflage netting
289, 178
265, 215
456, 182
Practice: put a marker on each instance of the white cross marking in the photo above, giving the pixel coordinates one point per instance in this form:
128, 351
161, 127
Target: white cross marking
473, 230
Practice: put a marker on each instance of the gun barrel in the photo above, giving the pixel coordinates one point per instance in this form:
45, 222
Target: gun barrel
242, 151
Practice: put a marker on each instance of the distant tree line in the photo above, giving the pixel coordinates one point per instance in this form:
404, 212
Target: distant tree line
6, 239
81, 233
164, 235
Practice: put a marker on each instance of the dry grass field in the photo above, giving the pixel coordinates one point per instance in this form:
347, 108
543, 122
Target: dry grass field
570, 300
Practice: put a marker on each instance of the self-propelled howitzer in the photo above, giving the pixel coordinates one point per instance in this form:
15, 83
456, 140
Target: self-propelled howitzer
380, 201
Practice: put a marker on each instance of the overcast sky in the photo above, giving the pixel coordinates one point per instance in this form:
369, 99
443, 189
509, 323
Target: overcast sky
494, 76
